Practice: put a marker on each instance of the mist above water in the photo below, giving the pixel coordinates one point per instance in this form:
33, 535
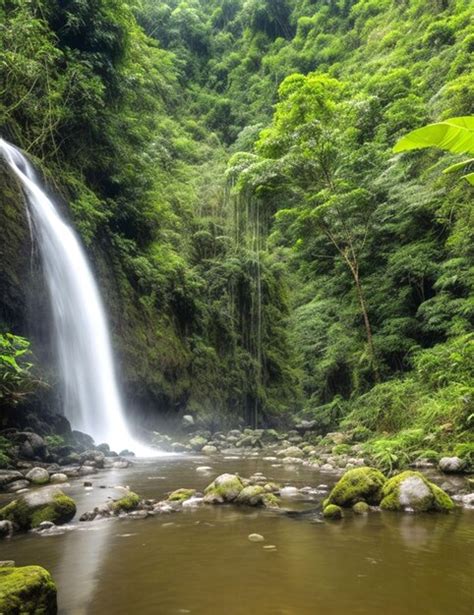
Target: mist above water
91, 397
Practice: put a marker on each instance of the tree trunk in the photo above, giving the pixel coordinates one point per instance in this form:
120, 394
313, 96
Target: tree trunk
368, 328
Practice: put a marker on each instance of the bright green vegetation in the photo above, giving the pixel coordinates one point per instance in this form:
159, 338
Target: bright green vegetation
180, 495
331, 511
358, 485
424, 495
455, 135
29, 589
31, 509
361, 508
263, 252
128, 503
16, 377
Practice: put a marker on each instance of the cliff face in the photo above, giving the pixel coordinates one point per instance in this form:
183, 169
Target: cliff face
15, 256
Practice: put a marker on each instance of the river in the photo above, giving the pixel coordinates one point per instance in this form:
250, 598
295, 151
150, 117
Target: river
200, 561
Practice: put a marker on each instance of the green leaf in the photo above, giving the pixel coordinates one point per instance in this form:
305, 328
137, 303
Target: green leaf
469, 178
454, 135
459, 165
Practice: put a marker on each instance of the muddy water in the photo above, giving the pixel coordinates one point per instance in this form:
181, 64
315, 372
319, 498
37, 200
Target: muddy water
201, 561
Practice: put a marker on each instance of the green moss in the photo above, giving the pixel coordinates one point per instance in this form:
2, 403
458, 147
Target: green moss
332, 512
225, 488
442, 501
341, 449
128, 503
360, 484
361, 508
270, 500
424, 495
253, 495
27, 590
17, 512
59, 509
180, 495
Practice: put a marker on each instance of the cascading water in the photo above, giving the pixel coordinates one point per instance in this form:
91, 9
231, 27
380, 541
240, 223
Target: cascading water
91, 398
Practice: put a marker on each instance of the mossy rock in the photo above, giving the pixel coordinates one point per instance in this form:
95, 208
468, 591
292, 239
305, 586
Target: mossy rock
331, 511
256, 495
225, 488
127, 503
414, 492
29, 590
180, 495
358, 485
46, 504
361, 508
197, 443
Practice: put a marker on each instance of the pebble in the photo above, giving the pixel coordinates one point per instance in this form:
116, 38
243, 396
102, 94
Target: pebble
256, 538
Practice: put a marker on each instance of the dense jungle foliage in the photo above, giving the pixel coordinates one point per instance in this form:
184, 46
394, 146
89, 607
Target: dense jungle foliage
263, 252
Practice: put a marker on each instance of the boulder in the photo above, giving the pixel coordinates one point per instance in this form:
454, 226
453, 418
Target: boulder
225, 488
293, 451
197, 443
180, 495
255, 495
331, 511
38, 476
104, 448
451, 465
413, 492
358, 485
6, 529
18, 485
121, 464
209, 449
304, 426
92, 458
9, 476
127, 503
83, 440
178, 447
234, 433
270, 435
57, 478
46, 504
29, 589
31, 445
249, 441
361, 508
87, 470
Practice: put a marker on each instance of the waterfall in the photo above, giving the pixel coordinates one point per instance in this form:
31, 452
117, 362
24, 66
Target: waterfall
91, 399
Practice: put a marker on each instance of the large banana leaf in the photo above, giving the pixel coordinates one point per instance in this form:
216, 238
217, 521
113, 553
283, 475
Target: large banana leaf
454, 135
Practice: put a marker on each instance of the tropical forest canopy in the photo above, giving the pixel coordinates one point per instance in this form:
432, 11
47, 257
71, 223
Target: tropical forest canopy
262, 250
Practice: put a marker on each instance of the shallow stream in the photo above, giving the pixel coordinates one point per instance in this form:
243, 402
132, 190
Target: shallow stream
201, 562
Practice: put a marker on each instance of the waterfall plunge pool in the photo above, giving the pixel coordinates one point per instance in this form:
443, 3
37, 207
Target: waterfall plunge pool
200, 561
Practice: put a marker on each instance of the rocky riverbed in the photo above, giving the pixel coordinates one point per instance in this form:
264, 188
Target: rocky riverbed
179, 552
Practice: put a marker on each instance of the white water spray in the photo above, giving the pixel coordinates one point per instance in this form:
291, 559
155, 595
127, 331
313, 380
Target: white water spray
91, 398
